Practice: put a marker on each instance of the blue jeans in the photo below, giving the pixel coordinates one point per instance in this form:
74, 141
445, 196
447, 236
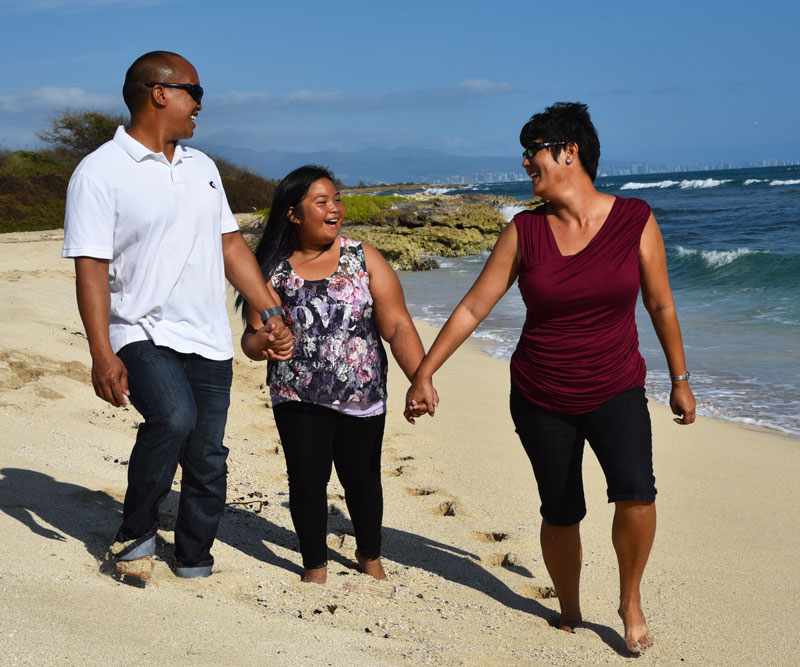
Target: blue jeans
184, 400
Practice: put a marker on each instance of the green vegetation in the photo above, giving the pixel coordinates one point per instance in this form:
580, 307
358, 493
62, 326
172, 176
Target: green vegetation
245, 189
33, 184
361, 208
78, 133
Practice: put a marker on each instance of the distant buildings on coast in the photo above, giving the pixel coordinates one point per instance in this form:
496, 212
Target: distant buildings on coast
617, 168
613, 168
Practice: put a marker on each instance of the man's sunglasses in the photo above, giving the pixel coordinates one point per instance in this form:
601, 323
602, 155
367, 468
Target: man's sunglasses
195, 90
536, 146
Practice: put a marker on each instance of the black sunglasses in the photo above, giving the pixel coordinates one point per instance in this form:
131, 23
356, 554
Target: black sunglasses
194, 89
536, 146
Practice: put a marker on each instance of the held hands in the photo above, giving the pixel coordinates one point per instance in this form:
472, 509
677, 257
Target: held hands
421, 397
110, 380
275, 340
682, 403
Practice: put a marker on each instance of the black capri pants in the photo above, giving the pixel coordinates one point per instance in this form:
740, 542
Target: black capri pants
619, 433
313, 438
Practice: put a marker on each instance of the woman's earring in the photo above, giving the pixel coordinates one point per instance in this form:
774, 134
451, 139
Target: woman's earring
569, 160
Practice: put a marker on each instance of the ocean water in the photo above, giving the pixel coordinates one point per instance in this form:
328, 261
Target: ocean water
733, 250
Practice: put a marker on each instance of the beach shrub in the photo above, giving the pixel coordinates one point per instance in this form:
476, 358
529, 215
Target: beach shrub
78, 133
247, 192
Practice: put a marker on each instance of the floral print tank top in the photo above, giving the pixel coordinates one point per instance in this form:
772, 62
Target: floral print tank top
338, 354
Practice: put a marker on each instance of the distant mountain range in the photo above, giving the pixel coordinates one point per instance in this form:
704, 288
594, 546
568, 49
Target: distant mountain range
419, 165
378, 165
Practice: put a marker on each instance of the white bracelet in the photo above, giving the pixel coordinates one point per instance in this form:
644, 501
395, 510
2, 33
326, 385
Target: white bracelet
678, 378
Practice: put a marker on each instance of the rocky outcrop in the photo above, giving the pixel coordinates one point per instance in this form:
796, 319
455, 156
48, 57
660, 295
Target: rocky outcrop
417, 228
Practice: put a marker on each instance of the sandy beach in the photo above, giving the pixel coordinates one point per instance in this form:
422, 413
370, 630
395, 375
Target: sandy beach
466, 581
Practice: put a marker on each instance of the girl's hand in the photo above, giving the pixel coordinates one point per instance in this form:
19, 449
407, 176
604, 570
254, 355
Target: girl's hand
272, 341
278, 341
421, 397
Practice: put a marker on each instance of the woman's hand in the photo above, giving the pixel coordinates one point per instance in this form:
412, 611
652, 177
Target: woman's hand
421, 397
682, 403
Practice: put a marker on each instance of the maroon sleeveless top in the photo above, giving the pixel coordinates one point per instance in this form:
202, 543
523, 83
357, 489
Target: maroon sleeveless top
579, 346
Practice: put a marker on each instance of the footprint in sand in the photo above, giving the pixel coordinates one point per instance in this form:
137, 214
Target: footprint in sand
538, 592
508, 561
447, 508
489, 537
400, 459
395, 472
419, 492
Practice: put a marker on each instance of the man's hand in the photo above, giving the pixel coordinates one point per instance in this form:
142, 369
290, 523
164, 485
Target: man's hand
110, 380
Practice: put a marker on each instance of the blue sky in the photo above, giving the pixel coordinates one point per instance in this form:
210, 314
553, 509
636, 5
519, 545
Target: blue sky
669, 82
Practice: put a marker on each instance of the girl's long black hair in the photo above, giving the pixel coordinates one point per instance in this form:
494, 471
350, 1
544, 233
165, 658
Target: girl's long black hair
278, 240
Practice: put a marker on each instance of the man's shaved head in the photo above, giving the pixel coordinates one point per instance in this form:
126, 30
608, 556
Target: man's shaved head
153, 66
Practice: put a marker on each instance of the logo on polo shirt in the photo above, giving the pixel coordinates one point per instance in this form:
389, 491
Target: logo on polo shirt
211, 183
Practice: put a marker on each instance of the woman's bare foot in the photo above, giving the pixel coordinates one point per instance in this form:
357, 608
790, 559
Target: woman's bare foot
569, 623
317, 575
637, 635
373, 567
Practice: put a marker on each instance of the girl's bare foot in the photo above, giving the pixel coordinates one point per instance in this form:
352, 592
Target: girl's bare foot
373, 567
317, 575
637, 635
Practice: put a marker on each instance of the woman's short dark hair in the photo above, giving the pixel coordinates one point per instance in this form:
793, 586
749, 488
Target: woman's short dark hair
278, 240
565, 121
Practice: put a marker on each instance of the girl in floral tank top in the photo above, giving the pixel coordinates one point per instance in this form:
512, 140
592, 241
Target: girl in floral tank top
339, 298
338, 360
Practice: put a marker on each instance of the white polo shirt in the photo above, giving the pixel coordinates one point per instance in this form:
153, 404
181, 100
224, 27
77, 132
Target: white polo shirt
161, 227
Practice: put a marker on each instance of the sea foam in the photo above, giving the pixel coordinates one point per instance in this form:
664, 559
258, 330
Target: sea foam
508, 212
793, 181
634, 185
703, 183
717, 258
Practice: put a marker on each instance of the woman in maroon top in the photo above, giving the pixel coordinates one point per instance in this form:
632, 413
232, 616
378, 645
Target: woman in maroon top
576, 374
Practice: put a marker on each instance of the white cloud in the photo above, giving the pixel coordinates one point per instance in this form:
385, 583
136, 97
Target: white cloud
314, 101
485, 87
50, 98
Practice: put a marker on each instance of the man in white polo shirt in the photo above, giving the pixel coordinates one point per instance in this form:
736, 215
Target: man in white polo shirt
153, 239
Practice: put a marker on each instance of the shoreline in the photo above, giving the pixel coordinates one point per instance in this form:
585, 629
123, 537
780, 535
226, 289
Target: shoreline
475, 343
460, 527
